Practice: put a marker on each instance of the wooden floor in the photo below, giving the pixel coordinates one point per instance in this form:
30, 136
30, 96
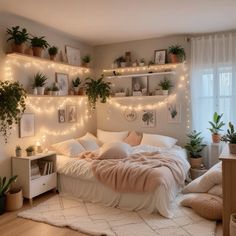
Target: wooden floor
11, 225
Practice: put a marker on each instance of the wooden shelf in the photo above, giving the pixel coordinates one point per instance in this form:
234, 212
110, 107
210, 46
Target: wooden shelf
141, 97
56, 96
66, 66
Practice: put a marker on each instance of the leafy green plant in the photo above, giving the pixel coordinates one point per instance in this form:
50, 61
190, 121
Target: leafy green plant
165, 84
12, 105
18, 148
96, 89
39, 42
86, 59
177, 50
5, 184
39, 80
53, 51
230, 137
17, 35
76, 82
30, 149
195, 144
216, 124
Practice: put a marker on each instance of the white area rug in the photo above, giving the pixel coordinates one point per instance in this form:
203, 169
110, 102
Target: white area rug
94, 219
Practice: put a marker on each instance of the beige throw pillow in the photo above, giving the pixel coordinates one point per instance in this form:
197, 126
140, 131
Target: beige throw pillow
133, 139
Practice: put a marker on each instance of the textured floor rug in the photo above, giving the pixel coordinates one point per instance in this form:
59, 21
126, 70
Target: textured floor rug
94, 219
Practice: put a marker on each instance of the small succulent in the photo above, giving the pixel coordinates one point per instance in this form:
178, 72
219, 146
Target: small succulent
53, 51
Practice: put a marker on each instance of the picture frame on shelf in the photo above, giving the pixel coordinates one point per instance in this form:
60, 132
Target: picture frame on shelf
148, 118
63, 83
140, 86
130, 115
61, 116
73, 56
27, 125
160, 57
71, 113
174, 113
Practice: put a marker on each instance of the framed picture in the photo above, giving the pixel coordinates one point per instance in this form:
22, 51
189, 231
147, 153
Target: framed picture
174, 113
130, 115
63, 83
160, 56
140, 86
148, 118
61, 116
26, 125
71, 113
73, 56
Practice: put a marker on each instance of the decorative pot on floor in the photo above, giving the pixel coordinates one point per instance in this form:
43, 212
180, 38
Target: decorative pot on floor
14, 199
216, 138
233, 225
20, 48
2, 204
232, 148
196, 162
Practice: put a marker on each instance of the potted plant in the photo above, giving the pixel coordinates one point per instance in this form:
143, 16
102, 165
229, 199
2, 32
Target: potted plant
48, 91
52, 51
86, 60
142, 62
230, 138
55, 90
96, 89
216, 126
120, 62
165, 85
12, 105
39, 82
18, 151
4, 187
38, 45
194, 147
30, 150
14, 199
76, 84
19, 38
177, 53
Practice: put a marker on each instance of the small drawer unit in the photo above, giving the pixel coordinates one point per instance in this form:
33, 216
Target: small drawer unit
36, 174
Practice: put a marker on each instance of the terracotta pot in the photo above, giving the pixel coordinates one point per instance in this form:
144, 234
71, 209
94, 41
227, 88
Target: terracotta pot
37, 51
20, 48
232, 148
81, 91
174, 58
52, 57
14, 201
196, 162
216, 138
29, 51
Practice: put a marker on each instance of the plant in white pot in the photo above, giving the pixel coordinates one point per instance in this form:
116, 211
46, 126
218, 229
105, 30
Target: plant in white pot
165, 85
18, 151
4, 187
230, 138
194, 148
76, 82
55, 90
216, 126
30, 150
39, 83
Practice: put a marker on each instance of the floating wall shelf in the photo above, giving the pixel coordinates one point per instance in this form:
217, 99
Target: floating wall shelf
157, 97
49, 63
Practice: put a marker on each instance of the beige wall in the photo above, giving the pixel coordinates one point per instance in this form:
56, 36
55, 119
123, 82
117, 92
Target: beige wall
111, 117
45, 110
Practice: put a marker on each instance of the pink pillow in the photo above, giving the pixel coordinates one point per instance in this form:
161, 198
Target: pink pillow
133, 139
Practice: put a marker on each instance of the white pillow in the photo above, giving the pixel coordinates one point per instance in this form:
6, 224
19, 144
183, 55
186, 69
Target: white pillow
158, 140
107, 136
115, 150
71, 148
89, 142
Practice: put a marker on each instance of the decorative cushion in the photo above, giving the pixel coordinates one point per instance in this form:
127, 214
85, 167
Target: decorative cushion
158, 140
205, 205
133, 139
89, 142
216, 190
71, 148
108, 136
115, 150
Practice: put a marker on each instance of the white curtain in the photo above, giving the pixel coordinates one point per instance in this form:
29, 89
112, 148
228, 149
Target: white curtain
213, 80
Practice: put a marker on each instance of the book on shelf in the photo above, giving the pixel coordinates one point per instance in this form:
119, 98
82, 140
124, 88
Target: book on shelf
45, 167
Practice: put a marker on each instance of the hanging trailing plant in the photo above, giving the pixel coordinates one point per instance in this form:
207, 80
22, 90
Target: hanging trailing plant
96, 89
12, 105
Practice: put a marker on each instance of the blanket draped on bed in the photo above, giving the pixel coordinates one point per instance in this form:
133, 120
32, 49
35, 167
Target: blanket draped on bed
141, 172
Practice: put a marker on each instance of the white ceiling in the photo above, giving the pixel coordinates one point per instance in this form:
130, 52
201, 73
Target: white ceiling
109, 21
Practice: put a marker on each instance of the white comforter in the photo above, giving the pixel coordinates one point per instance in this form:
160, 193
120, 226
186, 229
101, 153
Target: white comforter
81, 170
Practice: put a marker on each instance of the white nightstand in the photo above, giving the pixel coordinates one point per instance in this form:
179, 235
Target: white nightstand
21, 166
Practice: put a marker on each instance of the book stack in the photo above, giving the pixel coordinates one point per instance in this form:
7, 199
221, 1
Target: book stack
45, 167
35, 173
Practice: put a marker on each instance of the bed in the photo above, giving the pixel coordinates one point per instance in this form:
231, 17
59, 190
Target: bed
79, 180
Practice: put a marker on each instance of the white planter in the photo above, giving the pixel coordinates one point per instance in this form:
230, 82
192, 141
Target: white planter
76, 89
35, 92
123, 64
40, 90
55, 93
141, 64
165, 92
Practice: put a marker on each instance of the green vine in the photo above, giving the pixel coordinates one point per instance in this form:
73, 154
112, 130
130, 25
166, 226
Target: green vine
12, 106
